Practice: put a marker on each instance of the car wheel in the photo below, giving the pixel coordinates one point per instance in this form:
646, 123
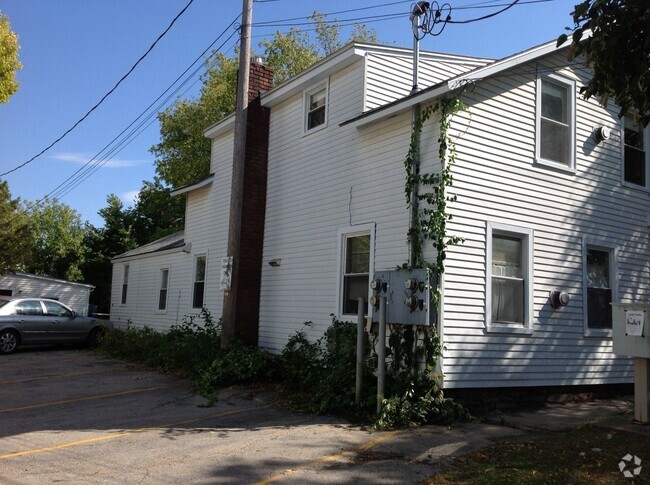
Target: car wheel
95, 337
8, 341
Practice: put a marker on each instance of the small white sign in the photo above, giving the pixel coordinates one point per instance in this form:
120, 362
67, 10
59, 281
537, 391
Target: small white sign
634, 322
226, 273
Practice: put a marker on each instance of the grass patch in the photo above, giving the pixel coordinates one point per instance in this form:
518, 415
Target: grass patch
588, 455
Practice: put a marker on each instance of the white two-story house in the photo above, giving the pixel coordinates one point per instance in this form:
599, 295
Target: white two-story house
551, 194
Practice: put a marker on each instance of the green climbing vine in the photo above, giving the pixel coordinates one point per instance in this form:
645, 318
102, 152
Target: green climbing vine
429, 223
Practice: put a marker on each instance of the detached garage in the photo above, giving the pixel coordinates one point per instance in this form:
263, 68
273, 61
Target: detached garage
75, 295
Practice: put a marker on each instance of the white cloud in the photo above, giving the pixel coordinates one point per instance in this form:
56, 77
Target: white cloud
82, 158
129, 198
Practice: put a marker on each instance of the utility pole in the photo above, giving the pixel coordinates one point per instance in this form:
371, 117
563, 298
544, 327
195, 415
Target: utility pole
237, 184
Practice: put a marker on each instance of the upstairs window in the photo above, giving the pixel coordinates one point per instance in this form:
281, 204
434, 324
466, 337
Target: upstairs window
199, 282
125, 283
315, 108
635, 162
556, 122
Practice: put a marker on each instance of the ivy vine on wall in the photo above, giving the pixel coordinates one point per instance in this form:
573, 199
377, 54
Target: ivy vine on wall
429, 221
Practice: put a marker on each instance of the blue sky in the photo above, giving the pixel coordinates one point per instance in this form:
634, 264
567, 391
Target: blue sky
74, 51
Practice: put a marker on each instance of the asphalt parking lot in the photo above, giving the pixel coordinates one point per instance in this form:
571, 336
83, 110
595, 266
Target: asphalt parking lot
70, 416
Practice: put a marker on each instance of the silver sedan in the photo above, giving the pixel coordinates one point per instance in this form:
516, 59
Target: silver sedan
27, 321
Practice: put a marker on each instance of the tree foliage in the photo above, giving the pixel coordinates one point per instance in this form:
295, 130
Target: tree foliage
9, 62
58, 241
618, 51
183, 154
15, 233
156, 213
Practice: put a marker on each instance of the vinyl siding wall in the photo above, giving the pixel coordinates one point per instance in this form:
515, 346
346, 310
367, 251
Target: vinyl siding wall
389, 78
206, 229
496, 179
337, 179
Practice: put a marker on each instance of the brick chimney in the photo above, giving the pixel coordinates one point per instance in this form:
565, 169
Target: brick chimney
254, 207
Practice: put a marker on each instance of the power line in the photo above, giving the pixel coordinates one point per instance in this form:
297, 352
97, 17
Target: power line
109, 152
104, 97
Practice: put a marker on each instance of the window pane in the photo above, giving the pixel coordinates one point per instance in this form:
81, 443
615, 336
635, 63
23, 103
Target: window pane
200, 269
507, 300
634, 166
55, 309
353, 288
197, 300
29, 307
506, 256
633, 133
358, 254
598, 269
126, 274
164, 277
317, 100
162, 300
554, 102
554, 142
316, 118
599, 310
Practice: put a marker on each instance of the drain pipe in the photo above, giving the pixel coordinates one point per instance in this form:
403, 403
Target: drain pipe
419, 9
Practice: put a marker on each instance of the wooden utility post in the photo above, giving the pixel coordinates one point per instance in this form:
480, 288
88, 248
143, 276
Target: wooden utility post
237, 183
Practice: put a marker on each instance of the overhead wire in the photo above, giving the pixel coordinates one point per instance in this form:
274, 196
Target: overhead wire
103, 97
110, 151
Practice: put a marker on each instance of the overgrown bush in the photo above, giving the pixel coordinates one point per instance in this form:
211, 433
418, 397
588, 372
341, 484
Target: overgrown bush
239, 364
186, 349
321, 375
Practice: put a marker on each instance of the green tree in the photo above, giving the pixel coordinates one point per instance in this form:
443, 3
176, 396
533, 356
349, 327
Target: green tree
15, 232
58, 241
183, 154
9, 62
102, 244
156, 213
618, 52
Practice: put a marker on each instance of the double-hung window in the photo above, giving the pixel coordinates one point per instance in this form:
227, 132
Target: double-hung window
509, 285
162, 292
555, 122
199, 282
125, 283
315, 108
356, 259
635, 153
599, 269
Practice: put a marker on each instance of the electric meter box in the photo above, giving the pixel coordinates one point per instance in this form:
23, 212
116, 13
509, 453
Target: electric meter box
408, 296
630, 329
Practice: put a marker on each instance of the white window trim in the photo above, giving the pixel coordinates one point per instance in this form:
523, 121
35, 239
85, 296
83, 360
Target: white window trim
589, 243
571, 84
646, 142
343, 234
205, 279
527, 235
305, 110
160, 273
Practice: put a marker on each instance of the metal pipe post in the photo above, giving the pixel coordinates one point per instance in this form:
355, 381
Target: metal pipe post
360, 351
381, 353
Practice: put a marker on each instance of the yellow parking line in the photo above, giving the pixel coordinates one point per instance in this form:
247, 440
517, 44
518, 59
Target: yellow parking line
328, 459
59, 376
87, 398
126, 433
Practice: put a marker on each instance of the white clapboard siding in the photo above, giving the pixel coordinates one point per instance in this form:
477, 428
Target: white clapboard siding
495, 179
206, 233
319, 184
390, 77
